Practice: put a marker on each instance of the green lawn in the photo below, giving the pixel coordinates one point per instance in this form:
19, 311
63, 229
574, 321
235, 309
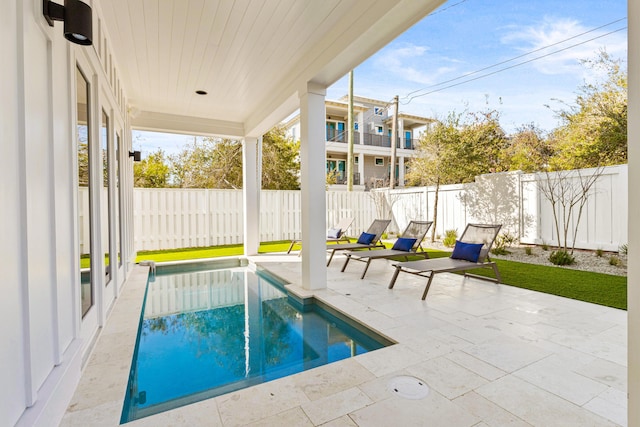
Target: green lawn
603, 289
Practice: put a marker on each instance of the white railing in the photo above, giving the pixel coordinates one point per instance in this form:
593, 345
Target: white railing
179, 218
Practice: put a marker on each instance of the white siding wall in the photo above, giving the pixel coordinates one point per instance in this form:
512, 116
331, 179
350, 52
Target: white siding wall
42, 345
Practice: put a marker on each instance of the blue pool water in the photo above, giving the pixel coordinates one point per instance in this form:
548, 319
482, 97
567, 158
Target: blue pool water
208, 332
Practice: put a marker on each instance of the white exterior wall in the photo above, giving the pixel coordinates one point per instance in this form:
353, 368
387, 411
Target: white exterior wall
44, 337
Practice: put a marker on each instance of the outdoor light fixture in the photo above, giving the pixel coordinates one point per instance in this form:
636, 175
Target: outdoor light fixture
77, 17
135, 155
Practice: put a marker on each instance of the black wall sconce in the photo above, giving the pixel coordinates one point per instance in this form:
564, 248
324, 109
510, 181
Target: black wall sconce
136, 155
77, 17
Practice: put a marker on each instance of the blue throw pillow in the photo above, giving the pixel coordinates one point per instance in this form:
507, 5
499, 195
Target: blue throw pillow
366, 238
333, 233
404, 244
467, 251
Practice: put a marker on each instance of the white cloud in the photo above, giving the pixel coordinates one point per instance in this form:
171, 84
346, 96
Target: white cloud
550, 36
412, 63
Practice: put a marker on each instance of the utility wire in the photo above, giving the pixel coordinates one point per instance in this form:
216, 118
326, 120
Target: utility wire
445, 8
514, 58
505, 68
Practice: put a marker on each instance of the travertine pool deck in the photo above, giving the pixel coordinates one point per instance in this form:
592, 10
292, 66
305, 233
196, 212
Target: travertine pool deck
492, 355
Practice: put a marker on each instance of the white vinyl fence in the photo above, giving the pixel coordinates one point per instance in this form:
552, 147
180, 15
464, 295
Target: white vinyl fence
179, 218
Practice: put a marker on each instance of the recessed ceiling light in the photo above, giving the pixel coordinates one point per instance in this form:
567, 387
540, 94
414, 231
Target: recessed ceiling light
201, 92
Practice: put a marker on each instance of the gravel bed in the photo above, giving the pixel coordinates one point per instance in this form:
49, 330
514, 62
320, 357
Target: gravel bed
585, 260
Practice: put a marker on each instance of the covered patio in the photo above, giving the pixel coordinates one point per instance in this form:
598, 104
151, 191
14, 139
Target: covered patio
491, 355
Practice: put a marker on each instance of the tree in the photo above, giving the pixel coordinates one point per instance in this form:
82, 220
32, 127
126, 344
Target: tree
481, 145
209, 163
152, 172
528, 150
566, 191
594, 130
280, 161
453, 152
435, 153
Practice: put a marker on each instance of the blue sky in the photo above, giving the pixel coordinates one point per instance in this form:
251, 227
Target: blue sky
464, 36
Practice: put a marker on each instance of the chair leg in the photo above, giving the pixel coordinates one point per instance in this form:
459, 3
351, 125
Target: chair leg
424, 295
333, 251
293, 242
366, 267
346, 261
395, 276
497, 273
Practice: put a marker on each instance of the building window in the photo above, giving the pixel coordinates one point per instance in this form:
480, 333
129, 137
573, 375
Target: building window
336, 131
379, 129
378, 111
379, 161
355, 126
86, 175
356, 160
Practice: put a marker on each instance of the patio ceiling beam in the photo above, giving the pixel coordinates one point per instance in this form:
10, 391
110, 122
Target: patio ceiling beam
173, 123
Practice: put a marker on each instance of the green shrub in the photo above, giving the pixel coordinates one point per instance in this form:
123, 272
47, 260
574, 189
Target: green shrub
384, 235
500, 250
615, 261
450, 237
503, 241
561, 257
623, 249
545, 247
528, 250
599, 252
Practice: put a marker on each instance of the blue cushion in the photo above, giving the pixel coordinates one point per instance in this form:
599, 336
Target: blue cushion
366, 238
467, 251
404, 244
334, 233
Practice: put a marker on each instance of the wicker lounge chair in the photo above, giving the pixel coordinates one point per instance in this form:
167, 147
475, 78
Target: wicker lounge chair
415, 231
376, 229
337, 234
473, 236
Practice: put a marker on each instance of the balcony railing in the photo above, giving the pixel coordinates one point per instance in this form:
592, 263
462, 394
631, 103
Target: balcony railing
342, 179
373, 139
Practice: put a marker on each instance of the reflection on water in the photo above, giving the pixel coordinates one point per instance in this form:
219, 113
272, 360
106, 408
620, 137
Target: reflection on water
207, 333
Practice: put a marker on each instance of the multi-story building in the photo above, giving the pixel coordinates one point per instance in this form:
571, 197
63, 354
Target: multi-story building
372, 141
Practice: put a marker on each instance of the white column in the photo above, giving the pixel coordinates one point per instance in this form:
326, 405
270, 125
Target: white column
403, 139
633, 273
251, 195
401, 171
312, 172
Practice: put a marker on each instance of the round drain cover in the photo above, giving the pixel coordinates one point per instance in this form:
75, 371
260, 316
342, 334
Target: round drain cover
408, 387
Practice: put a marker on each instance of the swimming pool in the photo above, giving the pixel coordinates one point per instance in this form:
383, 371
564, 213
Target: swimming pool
205, 332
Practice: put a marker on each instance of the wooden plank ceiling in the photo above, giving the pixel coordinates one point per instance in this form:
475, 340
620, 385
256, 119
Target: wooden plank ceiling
250, 56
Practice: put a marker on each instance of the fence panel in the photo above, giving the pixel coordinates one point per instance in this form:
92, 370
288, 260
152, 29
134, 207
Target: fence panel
178, 218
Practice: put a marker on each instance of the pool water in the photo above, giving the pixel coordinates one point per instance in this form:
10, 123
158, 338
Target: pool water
206, 333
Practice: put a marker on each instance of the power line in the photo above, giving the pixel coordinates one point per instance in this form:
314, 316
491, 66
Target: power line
445, 8
508, 68
514, 58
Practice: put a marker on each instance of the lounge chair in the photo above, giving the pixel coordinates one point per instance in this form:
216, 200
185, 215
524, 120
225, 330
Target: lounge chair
336, 234
407, 245
367, 240
467, 255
